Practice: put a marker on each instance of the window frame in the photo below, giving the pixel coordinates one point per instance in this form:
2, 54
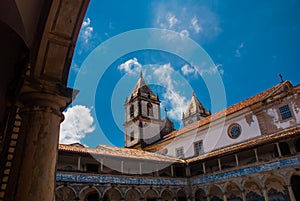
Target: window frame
131, 137
180, 148
229, 131
289, 111
201, 151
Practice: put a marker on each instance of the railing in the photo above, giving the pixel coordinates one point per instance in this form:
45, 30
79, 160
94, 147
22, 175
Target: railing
249, 169
117, 179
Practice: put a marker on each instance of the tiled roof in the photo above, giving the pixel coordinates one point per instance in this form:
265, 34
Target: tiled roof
223, 113
249, 144
118, 152
144, 155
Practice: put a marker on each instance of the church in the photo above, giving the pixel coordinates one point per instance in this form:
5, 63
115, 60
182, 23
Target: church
246, 152
249, 151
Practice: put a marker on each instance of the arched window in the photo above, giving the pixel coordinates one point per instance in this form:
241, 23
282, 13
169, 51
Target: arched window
149, 109
131, 110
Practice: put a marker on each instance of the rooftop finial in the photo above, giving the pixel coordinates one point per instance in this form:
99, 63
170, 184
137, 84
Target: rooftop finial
141, 74
193, 93
281, 79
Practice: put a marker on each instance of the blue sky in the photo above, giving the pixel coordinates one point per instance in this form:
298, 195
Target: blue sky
248, 43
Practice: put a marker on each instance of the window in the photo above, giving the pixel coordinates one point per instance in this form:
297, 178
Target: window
198, 148
149, 109
131, 110
132, 136
234, 131
179, 152
285, 112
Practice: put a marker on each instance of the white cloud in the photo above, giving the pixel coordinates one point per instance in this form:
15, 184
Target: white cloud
195, 25
86, 31
187, 69
77, 124
238, 50
211, 70
194, 71
172, 20
177, 101
185, 33
131, 66
188, 20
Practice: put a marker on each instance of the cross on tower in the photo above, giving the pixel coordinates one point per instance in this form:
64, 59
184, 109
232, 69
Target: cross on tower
281, 79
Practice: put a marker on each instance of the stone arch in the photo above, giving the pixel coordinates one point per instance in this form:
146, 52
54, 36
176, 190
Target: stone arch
65, 193
132, 195
181, 195
200, 195
166, 195
233, 191
215, 193
252, 189
89, 194
276, 189
151, 195
29, 51
295, 184
112, 194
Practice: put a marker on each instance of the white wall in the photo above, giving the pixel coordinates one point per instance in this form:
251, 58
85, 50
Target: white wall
216, 136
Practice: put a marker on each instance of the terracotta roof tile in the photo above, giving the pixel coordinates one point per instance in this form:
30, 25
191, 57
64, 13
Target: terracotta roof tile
118, 152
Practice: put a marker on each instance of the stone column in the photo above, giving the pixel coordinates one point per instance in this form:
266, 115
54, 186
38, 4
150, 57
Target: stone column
291, 193
256, 155
204, 168
224, 197
41, 117
265, 193
278, 149
220, 166
236, 160
244, 195
78, 163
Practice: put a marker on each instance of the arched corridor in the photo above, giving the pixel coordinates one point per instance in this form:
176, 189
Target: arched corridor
89, 194
166, 195
200, 195
181, 196
112, 195
295, 183
64, 194
233, 192
151, 195
253, 191
215, 193
132, 195
276, 189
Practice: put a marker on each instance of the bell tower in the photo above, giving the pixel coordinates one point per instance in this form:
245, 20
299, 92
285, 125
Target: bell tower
194, 112
142, 116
